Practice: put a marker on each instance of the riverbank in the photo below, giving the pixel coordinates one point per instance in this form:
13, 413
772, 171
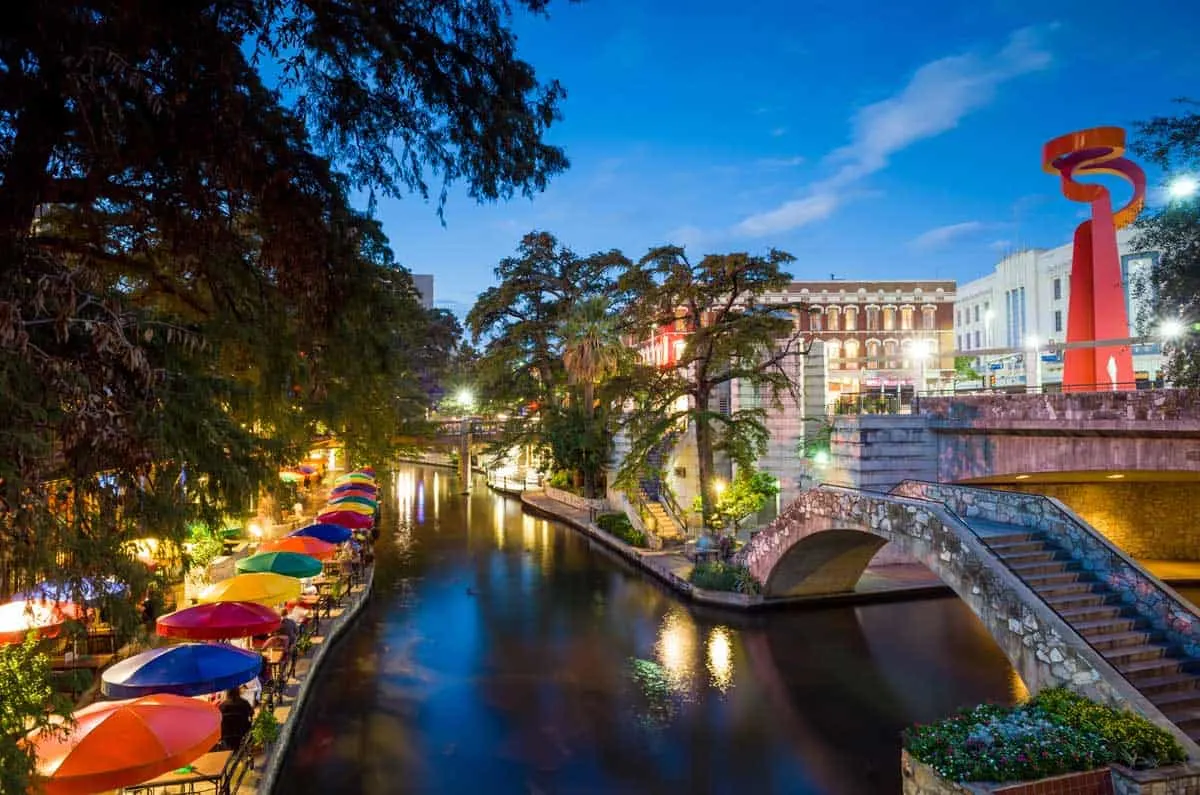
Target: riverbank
289, 710
878, 584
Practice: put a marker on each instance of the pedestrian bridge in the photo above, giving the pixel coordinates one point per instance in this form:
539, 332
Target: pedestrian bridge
1066, 606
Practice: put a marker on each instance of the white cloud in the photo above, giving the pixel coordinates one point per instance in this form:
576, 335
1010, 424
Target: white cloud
690, 237
781, 162
1000, 245
789, 215
943, 235
939, 95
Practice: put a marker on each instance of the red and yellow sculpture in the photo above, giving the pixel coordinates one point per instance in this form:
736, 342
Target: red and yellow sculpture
1096, 311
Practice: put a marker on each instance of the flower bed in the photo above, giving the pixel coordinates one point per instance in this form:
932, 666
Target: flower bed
1057, 732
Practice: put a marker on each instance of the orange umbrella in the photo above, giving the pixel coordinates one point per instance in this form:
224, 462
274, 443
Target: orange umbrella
18, 619
117, 744
304, 545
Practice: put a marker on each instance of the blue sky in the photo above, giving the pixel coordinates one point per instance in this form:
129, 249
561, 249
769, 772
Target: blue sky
869, 139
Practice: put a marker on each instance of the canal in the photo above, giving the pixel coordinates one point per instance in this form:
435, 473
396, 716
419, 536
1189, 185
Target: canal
503, 653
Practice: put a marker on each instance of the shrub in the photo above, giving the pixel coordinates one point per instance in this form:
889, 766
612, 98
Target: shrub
1056, 732
618, 524
265, 728
718, 576
1132, 740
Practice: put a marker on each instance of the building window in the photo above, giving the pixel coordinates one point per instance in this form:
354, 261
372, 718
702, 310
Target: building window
833, 352
872, 318
929, 317
889, 352
873, 353
814, 320
976, 313
1058, 289
906, 318
889, 318
831, 316
958, 343
1058, 319
850, 318
958, 317
977, 339
851, 349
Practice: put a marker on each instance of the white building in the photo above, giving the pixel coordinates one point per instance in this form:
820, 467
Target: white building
1011, 318
424, 284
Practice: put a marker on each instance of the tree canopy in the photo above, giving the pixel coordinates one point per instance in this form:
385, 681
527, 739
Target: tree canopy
1173, 144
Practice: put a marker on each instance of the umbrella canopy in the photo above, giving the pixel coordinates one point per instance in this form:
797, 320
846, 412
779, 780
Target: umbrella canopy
18, 619
368, 471
305, 469
291, 564
354, 488
353, 507
265, 589
188, 669
330, 533
304, 545
348, 519
218, 621
366, 502
116, 744
354, 477
290, 476
90, 589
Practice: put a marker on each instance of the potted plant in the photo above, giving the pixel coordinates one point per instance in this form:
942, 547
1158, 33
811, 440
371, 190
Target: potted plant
265, 728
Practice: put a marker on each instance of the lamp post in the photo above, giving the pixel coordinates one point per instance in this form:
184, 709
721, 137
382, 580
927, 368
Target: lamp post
1184, 187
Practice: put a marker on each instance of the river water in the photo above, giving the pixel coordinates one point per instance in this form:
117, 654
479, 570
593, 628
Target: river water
503, 653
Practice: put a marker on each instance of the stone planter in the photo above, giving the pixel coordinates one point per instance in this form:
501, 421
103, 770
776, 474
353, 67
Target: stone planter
1177, 780
921, 779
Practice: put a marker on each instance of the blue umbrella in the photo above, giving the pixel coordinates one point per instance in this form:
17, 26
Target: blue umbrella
188, 669
331, 533
90, 590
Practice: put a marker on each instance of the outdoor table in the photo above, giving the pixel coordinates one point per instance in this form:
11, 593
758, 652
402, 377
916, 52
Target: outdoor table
205, 770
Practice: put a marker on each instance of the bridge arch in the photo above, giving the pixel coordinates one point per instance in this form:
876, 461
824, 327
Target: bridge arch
823, 541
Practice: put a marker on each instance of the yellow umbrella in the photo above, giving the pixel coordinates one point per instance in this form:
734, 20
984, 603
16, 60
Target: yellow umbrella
353, 507
265, 588
354, 477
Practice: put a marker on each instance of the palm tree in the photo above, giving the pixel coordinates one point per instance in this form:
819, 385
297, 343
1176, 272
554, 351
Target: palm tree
592, 347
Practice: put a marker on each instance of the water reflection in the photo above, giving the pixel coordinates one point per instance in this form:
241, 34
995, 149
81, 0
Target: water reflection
536, 662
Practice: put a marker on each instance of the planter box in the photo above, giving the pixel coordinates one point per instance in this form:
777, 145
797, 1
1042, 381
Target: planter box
921, 779
1177, 780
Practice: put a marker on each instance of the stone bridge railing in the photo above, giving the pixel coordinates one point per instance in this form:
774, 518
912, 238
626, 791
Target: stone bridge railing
1144, 410
1045, 650
1164, 609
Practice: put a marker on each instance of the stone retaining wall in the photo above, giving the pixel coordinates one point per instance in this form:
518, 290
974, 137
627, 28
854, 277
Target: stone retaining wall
575, 501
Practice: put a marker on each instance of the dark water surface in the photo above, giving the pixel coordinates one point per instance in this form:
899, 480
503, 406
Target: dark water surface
506, 654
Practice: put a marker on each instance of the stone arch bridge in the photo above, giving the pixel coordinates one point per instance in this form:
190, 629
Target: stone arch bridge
1066, 606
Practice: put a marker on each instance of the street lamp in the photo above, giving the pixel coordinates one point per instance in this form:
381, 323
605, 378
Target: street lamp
1033, 343
1170, 329
1184, 187
465, 398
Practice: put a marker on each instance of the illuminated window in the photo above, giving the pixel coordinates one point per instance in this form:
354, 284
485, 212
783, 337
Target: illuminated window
889, 318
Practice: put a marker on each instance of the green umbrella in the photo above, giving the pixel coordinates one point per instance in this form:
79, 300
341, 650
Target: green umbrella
357, 500
289, 564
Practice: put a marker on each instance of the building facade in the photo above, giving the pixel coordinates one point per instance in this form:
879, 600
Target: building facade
1012, 320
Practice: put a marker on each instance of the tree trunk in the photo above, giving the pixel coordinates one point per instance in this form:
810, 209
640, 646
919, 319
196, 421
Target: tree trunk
704, 456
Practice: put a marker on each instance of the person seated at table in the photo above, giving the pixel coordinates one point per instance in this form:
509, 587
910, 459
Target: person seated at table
236, 717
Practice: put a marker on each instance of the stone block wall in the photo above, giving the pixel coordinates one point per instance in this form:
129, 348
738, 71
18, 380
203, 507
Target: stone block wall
575, 501
876, 451
1149, 521
1166, 409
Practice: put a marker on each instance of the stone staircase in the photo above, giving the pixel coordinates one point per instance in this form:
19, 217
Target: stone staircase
1161, 671
663, 524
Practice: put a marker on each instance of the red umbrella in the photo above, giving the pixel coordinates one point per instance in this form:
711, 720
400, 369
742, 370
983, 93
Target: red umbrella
18, 619
218, 621
354, 521
370, 494
305, 545
117, 744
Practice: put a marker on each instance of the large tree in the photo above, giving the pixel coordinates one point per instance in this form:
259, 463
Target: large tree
1173, 144
186, 292
726, 334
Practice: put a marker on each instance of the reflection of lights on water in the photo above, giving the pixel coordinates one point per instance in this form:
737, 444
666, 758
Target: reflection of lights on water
437, 493
527, 530
676, 648
1017, 686
421, 501
547, 550
720, 658
498, 521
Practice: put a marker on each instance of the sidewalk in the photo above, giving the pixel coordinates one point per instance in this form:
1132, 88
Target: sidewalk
877, 582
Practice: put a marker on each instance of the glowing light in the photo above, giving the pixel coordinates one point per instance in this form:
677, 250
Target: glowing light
1183, 187
1115, 476
719, 486
255, 529
1020, 692
821, 458
1024, 477
1170, 329
720, 658
465, 398
1032, 342
676, 648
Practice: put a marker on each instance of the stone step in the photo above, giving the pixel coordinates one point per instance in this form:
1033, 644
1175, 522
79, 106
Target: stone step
1117, 640
1019, 558
1015, 547
1036, 581
1155, 686
1070, 600
1010, 538
1107, 626
1044, 567
1151, 669
1064, 588
1089, 613
1184, 695
1127, 655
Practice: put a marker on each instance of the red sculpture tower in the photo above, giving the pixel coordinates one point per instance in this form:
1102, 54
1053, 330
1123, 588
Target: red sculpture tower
1096, 311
